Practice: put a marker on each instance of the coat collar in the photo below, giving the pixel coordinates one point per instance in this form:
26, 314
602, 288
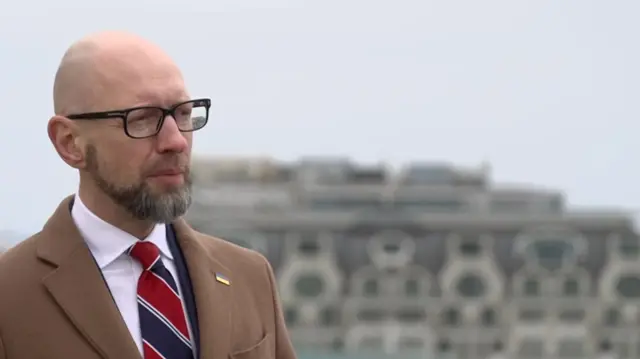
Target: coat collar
76, 285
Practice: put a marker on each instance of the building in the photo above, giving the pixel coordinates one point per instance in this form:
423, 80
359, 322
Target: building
430, 258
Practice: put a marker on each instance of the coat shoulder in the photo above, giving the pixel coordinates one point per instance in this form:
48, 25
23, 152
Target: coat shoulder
20, 276
18, 260
235, 257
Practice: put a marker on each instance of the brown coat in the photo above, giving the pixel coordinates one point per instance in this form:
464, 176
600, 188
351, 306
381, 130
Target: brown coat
54, 303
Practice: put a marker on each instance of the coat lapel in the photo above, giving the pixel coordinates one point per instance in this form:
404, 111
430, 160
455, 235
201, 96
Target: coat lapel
77, 286
213, 298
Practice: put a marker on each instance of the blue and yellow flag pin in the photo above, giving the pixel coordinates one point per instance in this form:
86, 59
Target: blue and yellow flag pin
222, 279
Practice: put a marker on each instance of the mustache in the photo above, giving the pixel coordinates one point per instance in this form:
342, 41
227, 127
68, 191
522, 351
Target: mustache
170, 163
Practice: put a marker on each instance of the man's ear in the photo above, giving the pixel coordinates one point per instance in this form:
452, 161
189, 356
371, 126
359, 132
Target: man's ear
66, 138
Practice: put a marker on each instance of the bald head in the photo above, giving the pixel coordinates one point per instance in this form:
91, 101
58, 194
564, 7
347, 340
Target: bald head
133, 159
101, 70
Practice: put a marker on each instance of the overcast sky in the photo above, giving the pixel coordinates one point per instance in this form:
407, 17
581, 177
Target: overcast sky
546, 90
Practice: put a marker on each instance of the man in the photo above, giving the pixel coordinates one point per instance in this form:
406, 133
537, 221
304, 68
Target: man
116, 272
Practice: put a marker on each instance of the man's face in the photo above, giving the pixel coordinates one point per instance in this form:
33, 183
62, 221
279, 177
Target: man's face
148, 177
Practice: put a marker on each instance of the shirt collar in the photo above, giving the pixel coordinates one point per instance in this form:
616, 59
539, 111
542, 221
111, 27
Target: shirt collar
107, 242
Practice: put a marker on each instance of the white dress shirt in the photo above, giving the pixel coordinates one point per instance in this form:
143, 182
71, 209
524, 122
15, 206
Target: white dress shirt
109, 245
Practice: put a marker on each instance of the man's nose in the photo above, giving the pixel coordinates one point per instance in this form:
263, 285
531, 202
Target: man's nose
170, 139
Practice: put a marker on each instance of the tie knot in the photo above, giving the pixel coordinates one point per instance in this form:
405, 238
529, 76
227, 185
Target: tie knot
146, 253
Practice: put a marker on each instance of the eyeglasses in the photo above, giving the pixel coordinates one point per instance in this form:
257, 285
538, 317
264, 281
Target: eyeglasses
146, 121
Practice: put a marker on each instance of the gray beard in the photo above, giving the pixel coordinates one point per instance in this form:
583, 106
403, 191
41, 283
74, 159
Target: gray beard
138, 200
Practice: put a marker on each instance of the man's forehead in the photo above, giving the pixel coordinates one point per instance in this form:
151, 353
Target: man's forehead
140, 79
162, 97
137, 94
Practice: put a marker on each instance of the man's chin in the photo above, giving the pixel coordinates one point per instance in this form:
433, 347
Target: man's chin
163, 189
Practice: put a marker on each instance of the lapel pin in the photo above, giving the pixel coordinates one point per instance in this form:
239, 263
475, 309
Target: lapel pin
222, 279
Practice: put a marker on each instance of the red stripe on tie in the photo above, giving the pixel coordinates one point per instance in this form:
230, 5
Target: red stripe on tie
164, 300
146, 253
149, 352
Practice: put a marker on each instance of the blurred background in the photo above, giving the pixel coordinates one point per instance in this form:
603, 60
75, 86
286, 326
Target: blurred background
428, 260
429, 179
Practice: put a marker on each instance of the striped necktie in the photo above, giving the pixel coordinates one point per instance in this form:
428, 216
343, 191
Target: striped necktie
162, 318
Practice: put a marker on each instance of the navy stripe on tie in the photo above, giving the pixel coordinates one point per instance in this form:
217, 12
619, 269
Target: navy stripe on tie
162, 273
164, 327
162, 335
163, 319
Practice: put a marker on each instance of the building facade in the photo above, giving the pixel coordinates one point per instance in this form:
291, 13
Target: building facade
430, 259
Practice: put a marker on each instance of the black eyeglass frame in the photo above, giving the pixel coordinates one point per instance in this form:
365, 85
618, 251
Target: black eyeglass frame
122, 114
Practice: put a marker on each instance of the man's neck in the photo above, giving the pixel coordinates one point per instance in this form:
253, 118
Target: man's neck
107, 210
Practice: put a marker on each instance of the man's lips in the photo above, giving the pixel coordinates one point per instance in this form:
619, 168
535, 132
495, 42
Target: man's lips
174, 177
175, 172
